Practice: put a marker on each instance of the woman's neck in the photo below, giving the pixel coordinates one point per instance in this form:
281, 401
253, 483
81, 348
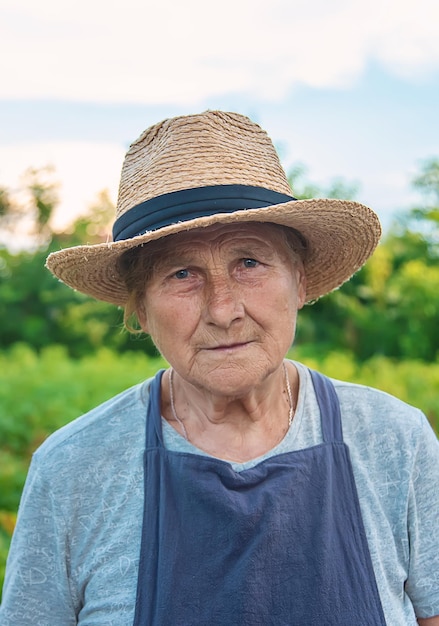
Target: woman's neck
237, 429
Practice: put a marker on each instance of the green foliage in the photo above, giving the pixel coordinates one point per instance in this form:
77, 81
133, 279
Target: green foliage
37, 309
41, 392
7, 521
391, 306
384, 310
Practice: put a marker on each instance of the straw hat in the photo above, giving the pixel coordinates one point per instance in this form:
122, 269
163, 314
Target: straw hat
193, 171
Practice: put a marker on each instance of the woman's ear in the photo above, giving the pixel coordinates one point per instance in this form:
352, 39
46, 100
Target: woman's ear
142, 316
301, 286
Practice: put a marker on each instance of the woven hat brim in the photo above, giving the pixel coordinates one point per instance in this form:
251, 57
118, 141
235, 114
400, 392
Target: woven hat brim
341, 236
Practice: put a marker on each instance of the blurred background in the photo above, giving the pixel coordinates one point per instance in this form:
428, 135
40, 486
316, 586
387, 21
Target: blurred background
349, 92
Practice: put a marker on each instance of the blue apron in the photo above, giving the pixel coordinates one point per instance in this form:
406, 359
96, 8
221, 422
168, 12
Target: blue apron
280, 544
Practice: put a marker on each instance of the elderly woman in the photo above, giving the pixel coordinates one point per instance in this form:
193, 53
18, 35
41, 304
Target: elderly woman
236, 487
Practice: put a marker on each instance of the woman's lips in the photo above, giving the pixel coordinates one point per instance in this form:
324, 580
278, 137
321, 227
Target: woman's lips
230, 346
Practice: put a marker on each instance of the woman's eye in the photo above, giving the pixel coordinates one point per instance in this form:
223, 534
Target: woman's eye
180, 274
249, 262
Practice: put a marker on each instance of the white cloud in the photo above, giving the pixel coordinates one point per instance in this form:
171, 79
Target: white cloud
183, 52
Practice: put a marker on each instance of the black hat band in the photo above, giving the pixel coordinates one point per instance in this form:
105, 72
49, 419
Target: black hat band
189, 204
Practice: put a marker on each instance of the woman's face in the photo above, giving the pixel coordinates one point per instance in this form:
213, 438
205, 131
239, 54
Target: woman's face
221, 305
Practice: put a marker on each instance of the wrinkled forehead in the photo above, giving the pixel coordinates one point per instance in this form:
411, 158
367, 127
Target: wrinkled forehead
240, 233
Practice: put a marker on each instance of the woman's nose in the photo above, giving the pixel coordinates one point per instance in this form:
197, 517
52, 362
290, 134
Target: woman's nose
224, 302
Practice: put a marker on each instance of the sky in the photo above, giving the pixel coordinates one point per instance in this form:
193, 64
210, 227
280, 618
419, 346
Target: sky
347, 88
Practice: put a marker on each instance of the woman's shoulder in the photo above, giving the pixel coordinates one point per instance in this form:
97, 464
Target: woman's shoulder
379, 425
117, 419
366, 410
377, 406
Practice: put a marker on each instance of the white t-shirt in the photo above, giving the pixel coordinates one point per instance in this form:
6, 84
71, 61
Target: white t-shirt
74, 555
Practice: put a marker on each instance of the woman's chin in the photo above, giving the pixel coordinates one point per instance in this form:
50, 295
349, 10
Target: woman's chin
232, 378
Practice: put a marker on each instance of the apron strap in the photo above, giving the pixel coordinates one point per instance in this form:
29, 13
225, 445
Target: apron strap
153, 432
329, 406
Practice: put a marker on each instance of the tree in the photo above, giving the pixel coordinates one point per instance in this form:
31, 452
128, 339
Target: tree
25, 213
391, 306
422, 222
37, 309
